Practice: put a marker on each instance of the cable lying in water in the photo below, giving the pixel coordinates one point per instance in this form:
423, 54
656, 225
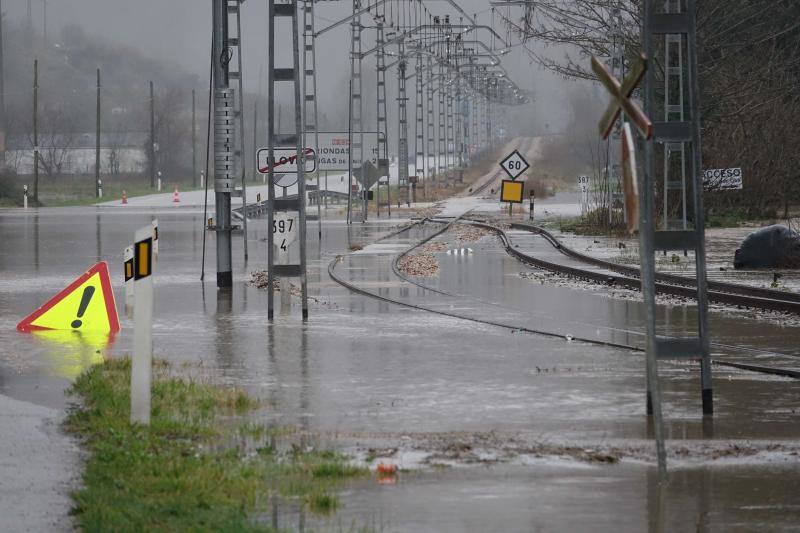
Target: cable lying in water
358, 290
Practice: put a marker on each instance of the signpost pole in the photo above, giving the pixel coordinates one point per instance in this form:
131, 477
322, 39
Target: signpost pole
530, 212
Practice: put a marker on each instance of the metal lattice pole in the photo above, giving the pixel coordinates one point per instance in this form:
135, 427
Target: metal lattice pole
475, 131
381, 115
442, 129
489, 133
234, 44
310, 117
687, 132
419, 122
674, 152
285, 205
433, 159
356, 111
616, 65
449, 132
402, 129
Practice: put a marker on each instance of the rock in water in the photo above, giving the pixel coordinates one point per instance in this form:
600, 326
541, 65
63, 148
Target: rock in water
771, 247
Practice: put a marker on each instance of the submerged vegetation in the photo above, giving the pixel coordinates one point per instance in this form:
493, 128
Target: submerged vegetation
183, 472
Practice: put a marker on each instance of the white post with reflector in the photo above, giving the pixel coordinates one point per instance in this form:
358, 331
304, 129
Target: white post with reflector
154, 223
141, 366
127, 267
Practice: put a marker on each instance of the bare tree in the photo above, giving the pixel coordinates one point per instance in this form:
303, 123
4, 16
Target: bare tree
749, 67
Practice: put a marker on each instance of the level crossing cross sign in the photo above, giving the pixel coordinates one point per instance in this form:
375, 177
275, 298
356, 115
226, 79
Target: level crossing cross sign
514, 164
621, 94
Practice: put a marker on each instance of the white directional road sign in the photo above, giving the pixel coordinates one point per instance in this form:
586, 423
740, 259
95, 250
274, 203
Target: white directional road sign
334, 149
285, 160
284, 231
722, 179
514, 164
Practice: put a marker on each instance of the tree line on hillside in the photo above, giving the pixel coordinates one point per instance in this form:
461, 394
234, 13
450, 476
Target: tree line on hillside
67, 89
749, 69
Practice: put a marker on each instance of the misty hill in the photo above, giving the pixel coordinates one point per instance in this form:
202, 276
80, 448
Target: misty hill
67, 81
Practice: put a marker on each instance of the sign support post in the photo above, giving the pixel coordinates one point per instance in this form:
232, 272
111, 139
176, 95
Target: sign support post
530, 212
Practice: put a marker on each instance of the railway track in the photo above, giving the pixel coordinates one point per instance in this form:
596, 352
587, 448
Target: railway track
785, 372
718, 292
523, 147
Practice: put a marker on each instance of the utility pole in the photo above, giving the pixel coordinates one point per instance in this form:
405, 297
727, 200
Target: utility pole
97, 143
152, 139
2, 99
194, 142
44, 23
224, 140
29, 25
255, 136
35, 131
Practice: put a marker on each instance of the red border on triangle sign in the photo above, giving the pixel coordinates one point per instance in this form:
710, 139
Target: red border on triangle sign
26, 325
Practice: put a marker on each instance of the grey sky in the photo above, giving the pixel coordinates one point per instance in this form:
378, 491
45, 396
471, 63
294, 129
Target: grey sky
179, 31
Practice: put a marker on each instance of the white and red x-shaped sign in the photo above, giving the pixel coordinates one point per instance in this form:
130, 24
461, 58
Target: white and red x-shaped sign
621, 95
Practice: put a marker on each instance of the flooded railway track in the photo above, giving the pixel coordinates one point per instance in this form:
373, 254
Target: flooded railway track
763, 369
671, 284
523, 146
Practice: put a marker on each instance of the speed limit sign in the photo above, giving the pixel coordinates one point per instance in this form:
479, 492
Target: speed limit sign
284, 230
514, 164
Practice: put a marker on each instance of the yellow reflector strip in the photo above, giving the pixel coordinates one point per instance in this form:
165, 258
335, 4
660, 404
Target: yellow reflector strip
144, 258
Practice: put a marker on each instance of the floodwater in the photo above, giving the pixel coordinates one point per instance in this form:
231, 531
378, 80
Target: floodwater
363, 371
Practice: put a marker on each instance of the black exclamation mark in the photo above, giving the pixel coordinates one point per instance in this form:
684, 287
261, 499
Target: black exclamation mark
85, 299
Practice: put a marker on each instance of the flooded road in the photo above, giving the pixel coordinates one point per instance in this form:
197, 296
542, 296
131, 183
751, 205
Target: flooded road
364, 372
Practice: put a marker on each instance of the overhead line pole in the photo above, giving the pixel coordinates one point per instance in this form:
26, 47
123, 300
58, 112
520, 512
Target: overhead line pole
35, 131
152, 138
2, 97
97, 143
224, 138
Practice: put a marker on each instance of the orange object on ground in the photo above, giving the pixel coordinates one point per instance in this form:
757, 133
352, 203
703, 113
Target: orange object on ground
175, 197
386, 469
124, 198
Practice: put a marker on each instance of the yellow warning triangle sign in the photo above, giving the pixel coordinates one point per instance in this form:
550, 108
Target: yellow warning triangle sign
87, 304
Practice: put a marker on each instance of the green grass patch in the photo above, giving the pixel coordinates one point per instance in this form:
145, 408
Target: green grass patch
189, 469
76, 190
